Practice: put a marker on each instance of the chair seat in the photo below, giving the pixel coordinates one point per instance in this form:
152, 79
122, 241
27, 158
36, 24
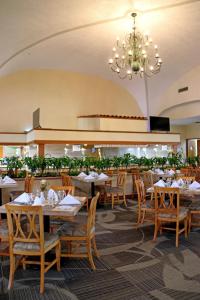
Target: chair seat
182, 214
194, 207
74, 229
49, 239
148, 205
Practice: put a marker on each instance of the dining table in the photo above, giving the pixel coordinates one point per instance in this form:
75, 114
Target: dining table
92, 182
67, 211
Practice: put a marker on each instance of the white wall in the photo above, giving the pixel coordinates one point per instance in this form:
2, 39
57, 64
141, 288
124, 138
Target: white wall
62, 96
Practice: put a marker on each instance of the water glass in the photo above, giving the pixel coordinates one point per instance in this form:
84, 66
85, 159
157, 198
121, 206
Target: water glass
31, 198
61, 195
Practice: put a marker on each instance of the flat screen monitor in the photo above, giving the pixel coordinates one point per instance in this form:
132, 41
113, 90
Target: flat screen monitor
159, 124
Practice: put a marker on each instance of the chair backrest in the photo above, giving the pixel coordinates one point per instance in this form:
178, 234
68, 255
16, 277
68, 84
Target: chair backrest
17, 216
70, 189
186, 171
66, 180
147, 179
167, 200
140, 192
121, 179
28, 183
92, 214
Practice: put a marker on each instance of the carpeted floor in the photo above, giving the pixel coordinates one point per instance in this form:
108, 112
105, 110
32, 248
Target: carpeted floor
131, 266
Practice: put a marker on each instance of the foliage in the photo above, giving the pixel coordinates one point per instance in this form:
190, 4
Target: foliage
52, 166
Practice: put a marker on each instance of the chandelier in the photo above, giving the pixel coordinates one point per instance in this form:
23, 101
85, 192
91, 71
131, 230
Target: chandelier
136, 54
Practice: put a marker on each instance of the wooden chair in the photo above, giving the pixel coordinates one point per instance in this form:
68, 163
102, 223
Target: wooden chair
144, 205
135, 176
66, 180
30, 242
81, 232
68, 189
116, 191
168, 210
28, 187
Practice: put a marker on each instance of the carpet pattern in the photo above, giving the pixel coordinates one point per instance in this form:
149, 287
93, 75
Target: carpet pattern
131, 266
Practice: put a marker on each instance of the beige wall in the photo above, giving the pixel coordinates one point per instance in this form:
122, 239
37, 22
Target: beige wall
62, 96
188, 104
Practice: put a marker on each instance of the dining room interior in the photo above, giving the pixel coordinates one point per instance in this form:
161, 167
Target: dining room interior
99, 150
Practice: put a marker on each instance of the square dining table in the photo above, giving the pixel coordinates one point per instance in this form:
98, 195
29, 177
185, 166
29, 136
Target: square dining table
92, 182
68, 211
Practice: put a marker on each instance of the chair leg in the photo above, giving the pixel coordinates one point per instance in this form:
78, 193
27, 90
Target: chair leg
12, 271
189, 222
89, 253
58, 250
139, 215
177, 233
95, 247
42, 274
155, 230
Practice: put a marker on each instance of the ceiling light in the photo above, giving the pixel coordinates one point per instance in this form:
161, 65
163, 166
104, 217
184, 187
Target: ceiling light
135, 55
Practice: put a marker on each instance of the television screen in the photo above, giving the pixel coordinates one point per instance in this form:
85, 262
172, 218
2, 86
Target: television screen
159, 124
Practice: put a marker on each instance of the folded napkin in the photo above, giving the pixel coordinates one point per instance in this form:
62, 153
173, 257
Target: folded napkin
195, 185
160, 172
175, 184
180, 182
23, 198
52, 195
7, 179
89, 177
171, 172
82, 175
103, 176
38, 201
70, 200
160, 183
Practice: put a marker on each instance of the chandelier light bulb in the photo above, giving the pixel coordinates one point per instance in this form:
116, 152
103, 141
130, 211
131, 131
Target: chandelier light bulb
135, 54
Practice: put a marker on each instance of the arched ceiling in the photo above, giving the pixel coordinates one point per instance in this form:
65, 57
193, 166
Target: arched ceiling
78, 35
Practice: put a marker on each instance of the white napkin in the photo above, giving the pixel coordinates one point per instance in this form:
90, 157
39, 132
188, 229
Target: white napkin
38, 201
70, 200
89, 177
160, 183
171, 172
160, 172
52, 194
195, 185
82, 175
180, 182
175, 184
7, 179
23, 198
103, 176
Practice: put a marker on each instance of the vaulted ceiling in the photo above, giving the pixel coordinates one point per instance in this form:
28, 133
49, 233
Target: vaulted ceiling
78, 35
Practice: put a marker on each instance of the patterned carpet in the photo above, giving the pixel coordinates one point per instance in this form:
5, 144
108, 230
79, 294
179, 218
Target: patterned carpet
131, 266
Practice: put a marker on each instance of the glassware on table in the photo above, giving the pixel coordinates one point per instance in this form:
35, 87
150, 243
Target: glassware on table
31, 198
61, 195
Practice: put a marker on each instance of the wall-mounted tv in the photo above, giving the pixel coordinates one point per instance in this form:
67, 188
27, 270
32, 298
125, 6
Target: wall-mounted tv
159, 124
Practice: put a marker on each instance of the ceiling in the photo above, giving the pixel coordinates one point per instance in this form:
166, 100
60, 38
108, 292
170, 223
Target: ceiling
79, 35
